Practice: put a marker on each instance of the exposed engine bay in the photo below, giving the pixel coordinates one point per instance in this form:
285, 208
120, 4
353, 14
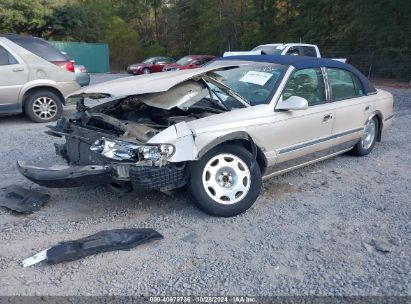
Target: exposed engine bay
140, 117
133, 119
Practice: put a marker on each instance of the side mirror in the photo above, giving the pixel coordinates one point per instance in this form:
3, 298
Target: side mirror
292, 103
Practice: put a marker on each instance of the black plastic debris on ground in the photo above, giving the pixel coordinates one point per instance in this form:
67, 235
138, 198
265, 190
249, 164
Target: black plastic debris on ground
22, 200
103, 241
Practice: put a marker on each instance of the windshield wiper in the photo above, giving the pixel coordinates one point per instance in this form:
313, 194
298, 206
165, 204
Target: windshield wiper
211, 91
227, 90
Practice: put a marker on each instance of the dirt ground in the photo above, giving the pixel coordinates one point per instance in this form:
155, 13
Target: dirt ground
311, 231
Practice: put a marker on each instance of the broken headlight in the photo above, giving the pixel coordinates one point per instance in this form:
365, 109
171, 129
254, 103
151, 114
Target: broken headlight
122, 150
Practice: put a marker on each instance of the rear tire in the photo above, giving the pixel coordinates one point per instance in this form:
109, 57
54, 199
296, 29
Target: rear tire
226, 181
43, 106
367, 141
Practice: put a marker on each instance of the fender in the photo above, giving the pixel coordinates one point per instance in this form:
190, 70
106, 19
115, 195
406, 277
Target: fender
380, 122
238, 135
36, 83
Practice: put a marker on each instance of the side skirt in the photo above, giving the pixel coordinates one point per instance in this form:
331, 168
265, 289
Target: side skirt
309, 159
6, 109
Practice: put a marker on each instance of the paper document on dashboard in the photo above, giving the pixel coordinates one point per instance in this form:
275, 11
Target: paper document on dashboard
259, 78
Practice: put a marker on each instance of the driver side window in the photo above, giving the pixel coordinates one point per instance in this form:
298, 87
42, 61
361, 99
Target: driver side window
308, 84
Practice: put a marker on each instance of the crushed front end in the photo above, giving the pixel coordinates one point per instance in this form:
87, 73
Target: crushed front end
138, 136
109, 144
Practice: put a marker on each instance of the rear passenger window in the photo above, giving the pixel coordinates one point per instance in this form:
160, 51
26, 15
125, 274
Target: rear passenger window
309, 51
40, 48
344, 84
6, 58
308, 84
294, 50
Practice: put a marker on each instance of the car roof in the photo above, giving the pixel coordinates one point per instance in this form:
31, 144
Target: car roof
37, 46
284, 44
199, 56
15, 35
303, 62
20, 37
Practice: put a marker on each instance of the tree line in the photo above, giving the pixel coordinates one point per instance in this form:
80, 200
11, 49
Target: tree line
373, 34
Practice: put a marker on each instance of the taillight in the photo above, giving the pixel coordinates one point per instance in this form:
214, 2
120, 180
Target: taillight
83, 70
67, 65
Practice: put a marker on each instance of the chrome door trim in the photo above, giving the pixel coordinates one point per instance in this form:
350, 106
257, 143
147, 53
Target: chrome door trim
326, 84
389, 117
317, 141
304, 164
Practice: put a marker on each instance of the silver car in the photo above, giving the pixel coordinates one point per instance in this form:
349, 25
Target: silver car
82, 76
218, 130
34, 78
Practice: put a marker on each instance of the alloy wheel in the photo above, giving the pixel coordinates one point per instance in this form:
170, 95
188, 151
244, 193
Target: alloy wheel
45, 108
369, 134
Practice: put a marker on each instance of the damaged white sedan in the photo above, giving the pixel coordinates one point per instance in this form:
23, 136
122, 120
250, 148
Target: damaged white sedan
218, 130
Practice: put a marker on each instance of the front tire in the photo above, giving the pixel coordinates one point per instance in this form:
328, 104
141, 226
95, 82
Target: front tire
43, 106
226, 181
367, 141
146, 71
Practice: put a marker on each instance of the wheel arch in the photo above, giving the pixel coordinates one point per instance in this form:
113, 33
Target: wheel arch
379, 117
240, 138
35, 89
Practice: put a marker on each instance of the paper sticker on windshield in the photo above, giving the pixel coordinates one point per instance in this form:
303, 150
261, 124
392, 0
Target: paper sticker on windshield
255, 77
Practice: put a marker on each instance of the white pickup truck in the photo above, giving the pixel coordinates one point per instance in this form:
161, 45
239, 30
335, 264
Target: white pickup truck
299, 49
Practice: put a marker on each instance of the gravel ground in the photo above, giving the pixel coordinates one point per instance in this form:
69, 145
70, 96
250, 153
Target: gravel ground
311, 231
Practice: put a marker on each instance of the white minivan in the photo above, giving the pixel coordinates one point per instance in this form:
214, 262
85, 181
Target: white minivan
34, 78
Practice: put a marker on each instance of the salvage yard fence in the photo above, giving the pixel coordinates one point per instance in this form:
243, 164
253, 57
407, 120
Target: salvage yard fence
380, 66
94, 56
372, 63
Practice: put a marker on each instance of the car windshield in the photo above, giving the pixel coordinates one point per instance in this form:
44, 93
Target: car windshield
185, 60
254, 82
149, 60
270, 49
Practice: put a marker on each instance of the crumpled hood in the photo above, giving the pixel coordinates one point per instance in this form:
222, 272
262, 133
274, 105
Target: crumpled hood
148, 84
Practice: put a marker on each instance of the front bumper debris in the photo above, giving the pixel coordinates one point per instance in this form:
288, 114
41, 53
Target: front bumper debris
65, 176
23, 200
103, 241
140, 177
158, 178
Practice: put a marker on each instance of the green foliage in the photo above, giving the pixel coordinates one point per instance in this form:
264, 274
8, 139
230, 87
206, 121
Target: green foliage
151, 50
123, 42
25, 16
360, 30
67, 23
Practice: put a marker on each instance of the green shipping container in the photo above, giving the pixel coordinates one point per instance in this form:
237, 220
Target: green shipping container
94, 56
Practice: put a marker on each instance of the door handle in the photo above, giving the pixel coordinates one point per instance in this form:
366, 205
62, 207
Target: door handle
327, 117
18, 70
